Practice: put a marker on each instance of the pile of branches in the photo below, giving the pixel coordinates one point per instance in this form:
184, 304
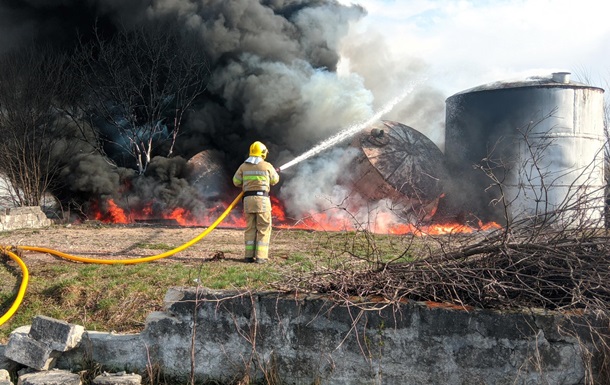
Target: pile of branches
566, 270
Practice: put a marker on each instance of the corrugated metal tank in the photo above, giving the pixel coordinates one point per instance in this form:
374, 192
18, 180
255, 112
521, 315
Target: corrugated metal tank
399, 163
537, 143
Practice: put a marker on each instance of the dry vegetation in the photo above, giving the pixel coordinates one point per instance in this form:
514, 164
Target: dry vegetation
513, 268
119, 297
525, 265
568, 273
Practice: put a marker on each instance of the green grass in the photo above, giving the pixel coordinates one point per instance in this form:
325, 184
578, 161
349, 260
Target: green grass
119, 297
301, 263
115, 297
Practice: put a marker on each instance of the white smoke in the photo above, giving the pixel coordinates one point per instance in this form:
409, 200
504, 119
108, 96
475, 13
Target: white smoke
386, 71
318, 186
324, 188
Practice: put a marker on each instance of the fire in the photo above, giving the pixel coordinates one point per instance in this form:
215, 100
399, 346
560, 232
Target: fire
181, 216
318, 221
113, 214
442, 228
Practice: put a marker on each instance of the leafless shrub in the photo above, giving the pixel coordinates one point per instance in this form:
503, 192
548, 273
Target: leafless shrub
34, 87
551, 254
139, 87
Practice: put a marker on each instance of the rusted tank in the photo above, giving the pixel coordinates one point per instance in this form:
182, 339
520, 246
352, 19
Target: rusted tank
207, 174
530, 148
398, 163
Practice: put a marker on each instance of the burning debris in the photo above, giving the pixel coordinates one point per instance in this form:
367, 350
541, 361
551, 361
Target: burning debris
207, 174
389, 179
158, 221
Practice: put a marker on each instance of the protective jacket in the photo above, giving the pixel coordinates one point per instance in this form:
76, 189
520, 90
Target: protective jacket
256, 176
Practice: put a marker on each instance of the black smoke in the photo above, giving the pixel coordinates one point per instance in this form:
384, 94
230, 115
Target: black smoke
275, 76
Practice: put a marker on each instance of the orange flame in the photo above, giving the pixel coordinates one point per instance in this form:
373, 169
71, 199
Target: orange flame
441, 228
113, 214
318, 221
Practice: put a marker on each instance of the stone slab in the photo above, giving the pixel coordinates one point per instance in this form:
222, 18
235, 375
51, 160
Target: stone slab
117, 352
117, 379
27, 351
58, 335
53, 377
23, 217
7, 363
5, 378
4, 375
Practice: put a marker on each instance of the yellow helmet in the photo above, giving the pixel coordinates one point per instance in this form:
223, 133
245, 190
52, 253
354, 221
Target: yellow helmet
258, 149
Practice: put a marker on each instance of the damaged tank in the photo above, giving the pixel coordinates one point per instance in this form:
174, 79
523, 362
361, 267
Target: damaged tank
398, 163
206, 173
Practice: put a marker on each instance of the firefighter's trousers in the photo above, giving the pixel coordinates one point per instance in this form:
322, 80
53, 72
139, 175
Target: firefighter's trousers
257, 211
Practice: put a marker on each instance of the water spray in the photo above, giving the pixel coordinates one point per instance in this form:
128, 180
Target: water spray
339, 137
351, 130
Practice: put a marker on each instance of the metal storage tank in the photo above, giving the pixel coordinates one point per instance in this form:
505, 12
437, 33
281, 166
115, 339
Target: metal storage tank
399, 163
533, 146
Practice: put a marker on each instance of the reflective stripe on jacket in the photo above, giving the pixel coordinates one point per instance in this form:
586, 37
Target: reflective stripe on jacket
256, 177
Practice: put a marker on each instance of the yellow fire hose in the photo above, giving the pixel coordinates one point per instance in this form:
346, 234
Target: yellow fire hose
25, 274
25, 277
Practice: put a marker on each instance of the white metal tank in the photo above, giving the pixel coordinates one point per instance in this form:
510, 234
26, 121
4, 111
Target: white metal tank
531, 148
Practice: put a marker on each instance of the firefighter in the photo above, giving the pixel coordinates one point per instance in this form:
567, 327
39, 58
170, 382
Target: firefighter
255, 176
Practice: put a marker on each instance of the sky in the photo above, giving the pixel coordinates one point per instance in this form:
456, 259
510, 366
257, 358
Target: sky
463, 44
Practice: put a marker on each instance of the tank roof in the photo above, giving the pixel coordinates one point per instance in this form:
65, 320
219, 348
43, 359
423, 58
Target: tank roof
557, 79
405, 158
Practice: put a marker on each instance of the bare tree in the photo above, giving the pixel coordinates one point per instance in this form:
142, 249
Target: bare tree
33, 86
140, 84
552, 253
587, 78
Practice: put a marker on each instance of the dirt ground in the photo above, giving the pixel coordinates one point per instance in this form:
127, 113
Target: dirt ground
138, 241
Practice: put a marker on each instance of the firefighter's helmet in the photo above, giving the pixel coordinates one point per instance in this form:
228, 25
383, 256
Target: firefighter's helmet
258, 149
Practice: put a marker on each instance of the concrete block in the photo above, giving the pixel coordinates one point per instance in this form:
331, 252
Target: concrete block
5, 378
117, 379
58, 335
311, 339
25, 329
118, 352
53, 377
6, 363
4, 375
27, 351
23, 217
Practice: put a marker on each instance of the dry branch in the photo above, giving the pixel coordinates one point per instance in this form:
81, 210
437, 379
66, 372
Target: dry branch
566, 274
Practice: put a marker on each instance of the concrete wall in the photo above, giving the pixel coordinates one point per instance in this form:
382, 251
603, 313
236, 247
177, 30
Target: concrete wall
301, 340
22, 218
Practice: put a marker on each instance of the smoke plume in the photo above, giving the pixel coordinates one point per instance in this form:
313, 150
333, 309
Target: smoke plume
289, 73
